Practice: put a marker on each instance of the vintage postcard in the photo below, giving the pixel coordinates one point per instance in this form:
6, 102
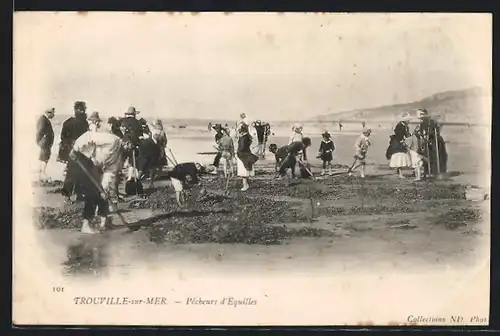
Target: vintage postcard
262, 169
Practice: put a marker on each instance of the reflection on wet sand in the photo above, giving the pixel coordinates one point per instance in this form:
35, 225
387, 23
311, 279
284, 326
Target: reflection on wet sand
89, 256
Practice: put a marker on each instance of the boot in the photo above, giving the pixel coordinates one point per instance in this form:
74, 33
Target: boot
86, 227
323, 172
330, 172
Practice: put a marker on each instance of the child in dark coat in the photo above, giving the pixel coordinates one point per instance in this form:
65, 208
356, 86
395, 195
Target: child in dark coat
295, 149
279, 154
326, 152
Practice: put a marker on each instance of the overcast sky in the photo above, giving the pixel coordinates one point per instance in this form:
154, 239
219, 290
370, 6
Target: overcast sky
271, 66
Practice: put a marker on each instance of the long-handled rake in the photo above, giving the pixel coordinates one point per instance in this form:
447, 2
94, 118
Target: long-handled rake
306, 169
173, 157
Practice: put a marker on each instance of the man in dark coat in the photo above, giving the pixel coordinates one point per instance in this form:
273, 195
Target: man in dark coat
115, 127
133, 130
45, 139
71, 130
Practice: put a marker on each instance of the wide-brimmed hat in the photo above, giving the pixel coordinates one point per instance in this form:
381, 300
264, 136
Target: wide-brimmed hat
366, 131
132, 111
406, 116
94, 117
326, 134
217, 127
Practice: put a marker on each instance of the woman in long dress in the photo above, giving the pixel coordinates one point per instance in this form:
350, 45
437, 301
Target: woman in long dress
397, 151
244, 157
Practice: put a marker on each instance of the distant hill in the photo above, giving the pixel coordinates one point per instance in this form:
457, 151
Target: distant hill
462, 106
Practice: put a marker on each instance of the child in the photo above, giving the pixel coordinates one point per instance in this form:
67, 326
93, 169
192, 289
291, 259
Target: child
326, 152
226, 148
183, 175
362, 144
414, 145
296, 134
279, 154
295, 152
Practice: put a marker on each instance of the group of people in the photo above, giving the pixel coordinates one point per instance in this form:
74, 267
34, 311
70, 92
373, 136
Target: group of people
424, 150
287, 156
236, 147
95, 157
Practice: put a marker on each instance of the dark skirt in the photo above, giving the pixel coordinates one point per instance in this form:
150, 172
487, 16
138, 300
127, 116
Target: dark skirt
326, 157
395, 146
248, 159
437, 158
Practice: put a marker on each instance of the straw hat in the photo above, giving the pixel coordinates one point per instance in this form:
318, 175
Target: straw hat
94, 117
406, 116
158, 124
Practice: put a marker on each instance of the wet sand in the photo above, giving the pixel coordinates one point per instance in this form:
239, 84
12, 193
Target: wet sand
417, 237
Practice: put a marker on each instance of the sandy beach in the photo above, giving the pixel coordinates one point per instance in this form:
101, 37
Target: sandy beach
386, 227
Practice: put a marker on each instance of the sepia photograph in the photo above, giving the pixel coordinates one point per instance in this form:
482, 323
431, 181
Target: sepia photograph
251, 168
